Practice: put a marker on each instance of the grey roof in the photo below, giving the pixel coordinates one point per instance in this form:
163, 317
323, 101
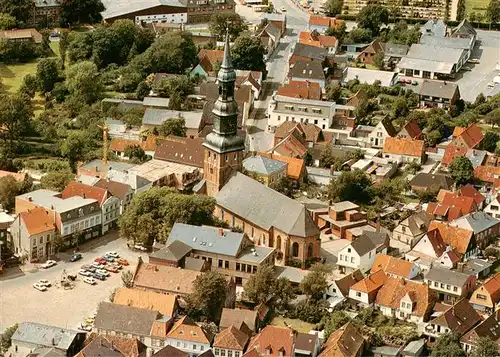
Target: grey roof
423, 179
386, 351
464, 28
307, 70
317, 53
476, 266
426, 65
195, 264
156, 102
125, 319
157, 117
434, 27
435, 53
265, 207
263, 165
116, 8
237, 316
414, 347
418, 223
272, 30
343, 206
441, 89
476, 221
363, 245
208, 239
124, 104
303, 101
306, 342
254, 254
295, 275
174, 251
446, 276
369, 76
98, 165
447, 42
395, 49
47, 352
45, 335
378, 238
48, 199
476, 157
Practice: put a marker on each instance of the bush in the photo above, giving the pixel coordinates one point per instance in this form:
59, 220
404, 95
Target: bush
309, 310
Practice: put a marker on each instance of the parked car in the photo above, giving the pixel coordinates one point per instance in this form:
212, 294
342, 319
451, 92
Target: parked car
102, 271
140, 247
474, 60
85, 328
40, 287
113, 254
116, 265
98, 276
96, 265
44, 282
100, 260
84, 272
75, 257
48, 264
111, 268
109, 259
122, 261
492, 84
90, 280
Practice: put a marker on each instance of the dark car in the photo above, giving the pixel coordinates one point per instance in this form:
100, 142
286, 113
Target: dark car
98, 276
75, 257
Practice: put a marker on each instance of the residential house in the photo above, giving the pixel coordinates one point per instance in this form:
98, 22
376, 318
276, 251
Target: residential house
295, 169
347, 341
434, 27
250, 78
338, 290
209, 63
405, 300
323, 23
432, 62
110, 205
229, 253
367, 55
409, 231
458, 319
176, 254
120, 190
390, 53
46, 13
481, 224
395, 267
186, 151
30, 336
461, 240
404, 150
244, 320
307, 53
314, 38
73, 217
270, 38
307, 345
493, 208
377, 168
273, 341
470, 191
369, 76
438, 94
486, 298
450, 285
300, 89
383, 130
266, 171
429, 250
310, 71
414, 349
410, 130
164, 304
309, 132
33, 234
364, 292
171, 351
451, 206
393, 52
230, 342
29, 35
119, 146
278, 20
359, 254
114, 346
342, 218
300, 110
154, 118
489, 328
431, 182
469, 138
188, 336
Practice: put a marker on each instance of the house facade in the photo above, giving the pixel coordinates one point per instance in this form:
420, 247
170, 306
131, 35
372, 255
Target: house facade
404, 150
486, 298
382, 131
359, 254
409, 231
449, 285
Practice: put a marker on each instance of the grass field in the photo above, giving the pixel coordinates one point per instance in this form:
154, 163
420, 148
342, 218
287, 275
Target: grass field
478, 6
296, 324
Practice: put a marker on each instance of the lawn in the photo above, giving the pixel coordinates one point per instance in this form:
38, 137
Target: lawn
296, 324
13, 74
478, 6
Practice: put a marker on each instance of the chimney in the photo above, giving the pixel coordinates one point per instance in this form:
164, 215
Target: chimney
84, 195
30, 198
112, 346
53, 342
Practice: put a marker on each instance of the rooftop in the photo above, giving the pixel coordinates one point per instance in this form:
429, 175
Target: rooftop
157, 117
155, 170
263, 165
125, 319
165, 304
44, 335
369, 76
115, 8
161, 277
447, 276
50, 200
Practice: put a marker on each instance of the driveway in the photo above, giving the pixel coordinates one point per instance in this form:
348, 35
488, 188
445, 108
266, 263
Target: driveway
19, 301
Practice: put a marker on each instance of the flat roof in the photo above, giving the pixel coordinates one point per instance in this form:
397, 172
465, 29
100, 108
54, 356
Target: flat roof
115, 8
49, 200
154, 170
426, 65
320, 103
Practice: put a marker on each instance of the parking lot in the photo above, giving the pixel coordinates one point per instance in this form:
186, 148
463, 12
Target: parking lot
19, 301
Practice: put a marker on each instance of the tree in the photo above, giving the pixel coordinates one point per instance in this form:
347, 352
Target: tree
16, 112
378, 60
461, 10
448, 345
7, 21
81, 11
63, 46
358, 35
485, 347
480, 99
127, 277
493, 11
56, 180
333, 7
339, 31
371, 17
47, 72
284, 185
352, 186
489, 142
142, 90
461, 170
182, 85
6, 337
248, 53
21, 10
400, 108
493, 117
314, 284
9, 189
74, 148
221, 21
83, 81
283, 293
135, 152
173, 126
336, 320
334, 92
257, 288
208, 296
29, 85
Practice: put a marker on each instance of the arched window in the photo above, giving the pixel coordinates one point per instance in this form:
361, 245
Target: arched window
271, 241
309, 250
295, 249
278, 243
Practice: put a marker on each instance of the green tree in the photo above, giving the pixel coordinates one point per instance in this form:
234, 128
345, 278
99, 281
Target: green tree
485, 347
489, 142
371, 17
315, 283
173, 126
333, 7
282, 294
493, 117
142, 90
461, 10
257, 288
358, 35
182, 86
400, 108
327, 159
127, 277
21, 10
480, 99
461, 170
56, 180
133, 117
29, 85
248, 53
83, 81
81, 11
448, 345
74, 148
335, 320
493, 11
220, 21
7, 21
284, 185
208, 296
339, 31
334, 92
378, 60
63, 46
352, 186
6, 337
16, 112
9, 189
135, 152
47, 72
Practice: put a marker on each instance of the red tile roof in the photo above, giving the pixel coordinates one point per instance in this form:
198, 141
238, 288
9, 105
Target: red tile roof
278, 340
310, 132
291, 147
37, 220
458, 131
407, 147
413, 129
395, 289
187, 330
472, 136
18, 176
301, 89
371, 283
295, 168
451, 152
492, 286
487, 173
231, 338
317, 20
345, 342
74, 188
212, 56
392, 266
121, 144
470, 191
458, 238
313, 38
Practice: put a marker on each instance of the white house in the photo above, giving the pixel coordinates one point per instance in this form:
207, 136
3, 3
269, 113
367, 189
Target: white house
404, 150
360, 254
493, 209
382, 131
365, 291
338, 289
188, 336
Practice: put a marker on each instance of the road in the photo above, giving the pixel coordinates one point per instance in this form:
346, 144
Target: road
19, 301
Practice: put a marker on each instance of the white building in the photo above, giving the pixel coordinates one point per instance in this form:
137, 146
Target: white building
360, 254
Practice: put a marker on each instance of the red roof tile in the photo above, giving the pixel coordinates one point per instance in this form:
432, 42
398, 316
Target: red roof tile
404, 147
413, 129
371, 283
312, 38
74, 188
452, 152
317, 20
301, 89
37, 220
458, 238
120, 145
395, 289
487, 173
472, 136
470, 191
278, 340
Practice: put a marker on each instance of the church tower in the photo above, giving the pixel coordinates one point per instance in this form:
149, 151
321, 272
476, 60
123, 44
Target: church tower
223, 147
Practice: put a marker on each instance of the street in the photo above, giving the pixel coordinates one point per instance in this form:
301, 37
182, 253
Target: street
19, 301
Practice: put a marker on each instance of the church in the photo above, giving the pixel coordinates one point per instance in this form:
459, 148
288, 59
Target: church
269, 218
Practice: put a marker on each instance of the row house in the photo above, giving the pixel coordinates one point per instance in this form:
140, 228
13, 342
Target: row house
409, 231
383, 130
486, 298
404, 150
438, 94
314, 38
450, 285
